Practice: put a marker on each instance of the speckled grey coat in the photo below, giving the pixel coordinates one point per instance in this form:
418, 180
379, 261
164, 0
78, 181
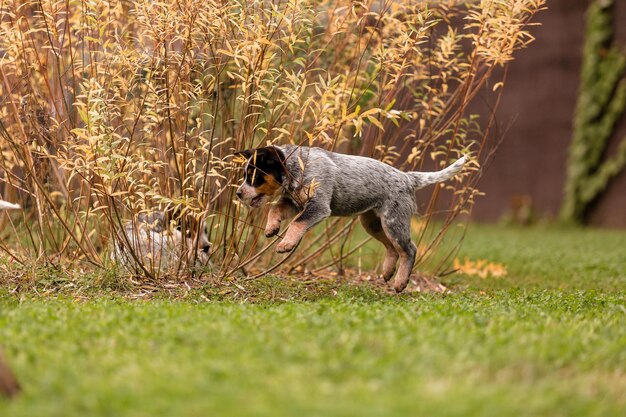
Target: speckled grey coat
350, 185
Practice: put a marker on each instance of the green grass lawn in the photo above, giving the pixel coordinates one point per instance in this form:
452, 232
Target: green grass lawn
547, 340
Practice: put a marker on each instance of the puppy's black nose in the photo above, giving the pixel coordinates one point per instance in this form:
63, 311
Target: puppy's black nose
239, 194
206, 248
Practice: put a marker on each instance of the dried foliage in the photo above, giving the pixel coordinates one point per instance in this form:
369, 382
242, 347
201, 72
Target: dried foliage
480, 267
113, 108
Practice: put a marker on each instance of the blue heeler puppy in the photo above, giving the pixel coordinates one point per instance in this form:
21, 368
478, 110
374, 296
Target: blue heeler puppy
315, 184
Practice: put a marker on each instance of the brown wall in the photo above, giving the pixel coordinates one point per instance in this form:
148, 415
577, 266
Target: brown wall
538, 104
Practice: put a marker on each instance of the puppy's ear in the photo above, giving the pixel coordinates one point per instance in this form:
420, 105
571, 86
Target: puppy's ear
266, 155
247, 153
271, 155
173, 214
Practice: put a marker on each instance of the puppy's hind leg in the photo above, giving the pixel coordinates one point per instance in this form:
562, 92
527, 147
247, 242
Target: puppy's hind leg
397, 227
372, 225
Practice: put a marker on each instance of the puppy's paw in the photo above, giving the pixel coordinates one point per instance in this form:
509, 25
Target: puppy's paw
387, 274
400, 285
272, 231
386, 278
283, 247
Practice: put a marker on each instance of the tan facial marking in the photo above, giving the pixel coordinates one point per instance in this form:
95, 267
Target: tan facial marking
269, 187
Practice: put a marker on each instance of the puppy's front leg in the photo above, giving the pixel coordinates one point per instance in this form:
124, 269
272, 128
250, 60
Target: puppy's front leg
314, 212
278, 212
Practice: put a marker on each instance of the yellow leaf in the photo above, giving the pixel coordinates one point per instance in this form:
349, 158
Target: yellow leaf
301, 162
375, 122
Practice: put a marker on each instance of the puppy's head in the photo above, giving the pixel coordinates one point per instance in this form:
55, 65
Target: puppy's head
263, 175
192, 228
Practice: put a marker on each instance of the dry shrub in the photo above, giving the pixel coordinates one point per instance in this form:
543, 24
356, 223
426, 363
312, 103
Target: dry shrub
114, 108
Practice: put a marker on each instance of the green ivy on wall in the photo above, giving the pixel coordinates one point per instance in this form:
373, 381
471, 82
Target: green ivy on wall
601, 103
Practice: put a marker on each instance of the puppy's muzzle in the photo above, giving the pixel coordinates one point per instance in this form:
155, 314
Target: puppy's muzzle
250, 197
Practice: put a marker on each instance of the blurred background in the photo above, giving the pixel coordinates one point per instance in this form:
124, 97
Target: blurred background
526, 180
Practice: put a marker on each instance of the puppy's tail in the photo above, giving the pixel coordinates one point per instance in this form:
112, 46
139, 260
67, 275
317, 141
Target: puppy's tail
5, 205
422, 179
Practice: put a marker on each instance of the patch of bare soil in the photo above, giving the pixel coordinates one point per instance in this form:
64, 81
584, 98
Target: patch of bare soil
419, 283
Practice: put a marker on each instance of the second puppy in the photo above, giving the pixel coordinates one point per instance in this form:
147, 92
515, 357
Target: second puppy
157, 241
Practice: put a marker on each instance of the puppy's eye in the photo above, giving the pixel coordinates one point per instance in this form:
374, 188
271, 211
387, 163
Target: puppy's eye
251, 175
